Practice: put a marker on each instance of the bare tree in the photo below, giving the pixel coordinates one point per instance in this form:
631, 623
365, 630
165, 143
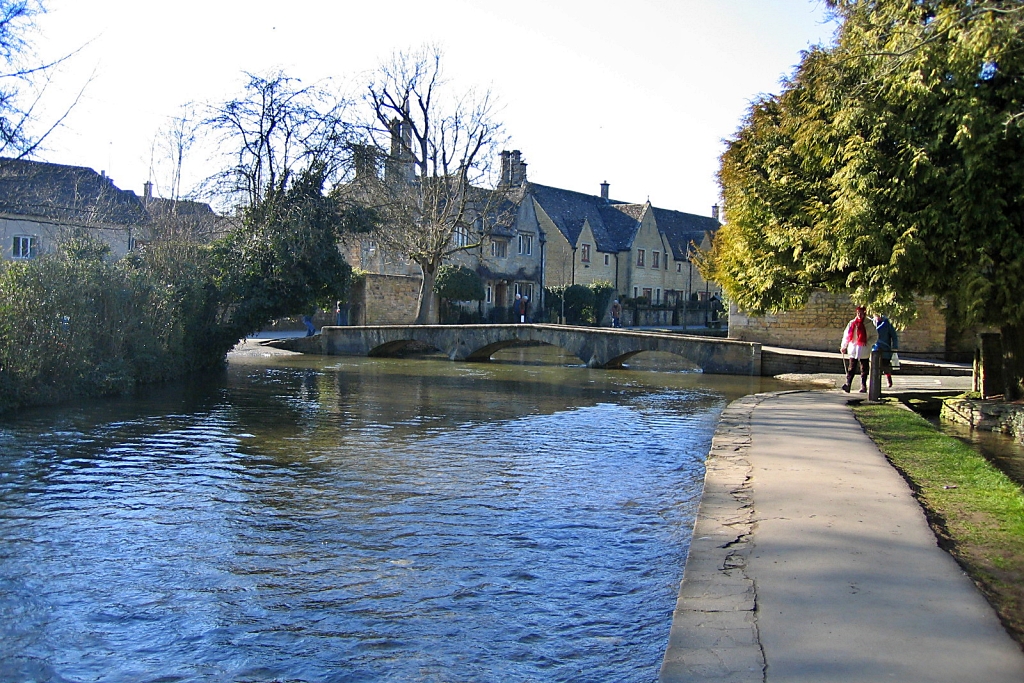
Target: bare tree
24, 81
437, 151
277, 129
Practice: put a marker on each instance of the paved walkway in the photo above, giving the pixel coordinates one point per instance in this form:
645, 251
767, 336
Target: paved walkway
811, 561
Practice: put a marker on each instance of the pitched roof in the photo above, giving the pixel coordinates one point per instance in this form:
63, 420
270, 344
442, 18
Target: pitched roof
72, 194
615, 223
682, 228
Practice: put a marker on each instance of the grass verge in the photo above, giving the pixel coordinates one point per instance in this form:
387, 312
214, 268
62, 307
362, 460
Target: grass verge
976, 511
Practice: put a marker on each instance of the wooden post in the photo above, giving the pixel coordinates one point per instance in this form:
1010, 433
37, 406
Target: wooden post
875, 376
988, 365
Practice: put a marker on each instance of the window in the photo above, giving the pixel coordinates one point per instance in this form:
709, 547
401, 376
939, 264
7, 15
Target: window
526, 244
666, 260
585, 253
679, 267
499, 248
655, 259
606, 259
647, 293
657, 296
634, 292
461, 236
641, 255
24, 246
489, 294
524, 289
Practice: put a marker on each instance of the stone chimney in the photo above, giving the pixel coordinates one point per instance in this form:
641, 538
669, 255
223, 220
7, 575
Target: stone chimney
400, 166
147, 190
518, 168
364, 159
714, 211
604, 191
506, 169
513, 169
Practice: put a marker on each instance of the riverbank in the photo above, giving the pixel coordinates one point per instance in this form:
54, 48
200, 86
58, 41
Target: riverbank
811, 560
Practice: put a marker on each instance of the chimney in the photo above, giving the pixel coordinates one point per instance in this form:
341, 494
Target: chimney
714, 211
147, 190
400, 166
506, 169
604, 190
518, 167
364, 158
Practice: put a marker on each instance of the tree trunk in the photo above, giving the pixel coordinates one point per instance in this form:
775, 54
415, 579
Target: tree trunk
1013, 361
426, 304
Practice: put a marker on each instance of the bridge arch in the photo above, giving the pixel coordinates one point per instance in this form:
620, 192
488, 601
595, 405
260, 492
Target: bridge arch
597, 347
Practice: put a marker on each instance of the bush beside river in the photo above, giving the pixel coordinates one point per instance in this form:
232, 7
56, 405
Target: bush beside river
74, 322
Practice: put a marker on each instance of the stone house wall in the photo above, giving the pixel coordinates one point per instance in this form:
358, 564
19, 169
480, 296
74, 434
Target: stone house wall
819, 326
385, 300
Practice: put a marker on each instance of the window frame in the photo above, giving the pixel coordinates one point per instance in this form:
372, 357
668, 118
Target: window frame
585, 253
18, 250
641, 258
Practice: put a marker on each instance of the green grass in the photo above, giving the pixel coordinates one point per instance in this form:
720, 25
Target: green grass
977, 512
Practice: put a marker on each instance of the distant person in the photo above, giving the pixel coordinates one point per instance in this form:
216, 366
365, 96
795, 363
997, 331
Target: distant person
888, 342
616, 314
854, 344
337, 314
524, 309
307, 320
516, 305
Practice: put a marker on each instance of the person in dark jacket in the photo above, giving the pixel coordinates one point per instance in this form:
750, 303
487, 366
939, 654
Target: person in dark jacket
888, 341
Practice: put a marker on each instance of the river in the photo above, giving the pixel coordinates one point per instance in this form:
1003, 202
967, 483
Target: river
308, 518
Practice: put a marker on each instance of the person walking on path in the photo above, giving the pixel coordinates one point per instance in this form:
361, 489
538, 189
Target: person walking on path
524, 308
516, 305
887, 343
616, 314
855, 344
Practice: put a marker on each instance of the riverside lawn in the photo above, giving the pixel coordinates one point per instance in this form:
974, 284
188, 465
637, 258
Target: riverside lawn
976, 511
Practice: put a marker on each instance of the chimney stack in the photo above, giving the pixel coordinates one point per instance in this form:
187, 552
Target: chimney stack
147, 190
506, 169
714, 211
604, 190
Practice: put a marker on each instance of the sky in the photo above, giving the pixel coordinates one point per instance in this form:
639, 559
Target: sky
642, 94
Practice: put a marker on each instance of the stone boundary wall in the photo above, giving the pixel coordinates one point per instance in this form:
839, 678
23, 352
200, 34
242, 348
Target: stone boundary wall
819, 326
993, 416
384, 300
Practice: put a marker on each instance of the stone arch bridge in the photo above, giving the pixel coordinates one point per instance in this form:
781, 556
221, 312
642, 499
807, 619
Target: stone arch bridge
597, 347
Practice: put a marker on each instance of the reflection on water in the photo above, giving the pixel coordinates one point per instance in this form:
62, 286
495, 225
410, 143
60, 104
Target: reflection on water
340, 519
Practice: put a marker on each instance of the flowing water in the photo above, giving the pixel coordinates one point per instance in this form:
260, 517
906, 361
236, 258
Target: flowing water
345, 519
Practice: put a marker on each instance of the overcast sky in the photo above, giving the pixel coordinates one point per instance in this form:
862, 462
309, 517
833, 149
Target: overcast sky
640, 93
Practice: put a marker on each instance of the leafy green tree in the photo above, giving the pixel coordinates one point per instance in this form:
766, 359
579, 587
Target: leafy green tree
892, 164
284, 258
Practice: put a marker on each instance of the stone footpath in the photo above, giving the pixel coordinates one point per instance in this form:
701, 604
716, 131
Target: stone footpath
811, 561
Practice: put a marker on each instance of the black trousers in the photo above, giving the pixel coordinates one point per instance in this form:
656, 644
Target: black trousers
865, 364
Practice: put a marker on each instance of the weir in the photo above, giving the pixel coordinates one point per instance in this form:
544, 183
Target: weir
597, 347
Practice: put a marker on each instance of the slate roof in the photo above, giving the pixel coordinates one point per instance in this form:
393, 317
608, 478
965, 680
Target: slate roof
615, 223
682, 228
73, 194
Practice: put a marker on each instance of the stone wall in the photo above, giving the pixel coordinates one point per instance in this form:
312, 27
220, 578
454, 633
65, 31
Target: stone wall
819, 326
385, 300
